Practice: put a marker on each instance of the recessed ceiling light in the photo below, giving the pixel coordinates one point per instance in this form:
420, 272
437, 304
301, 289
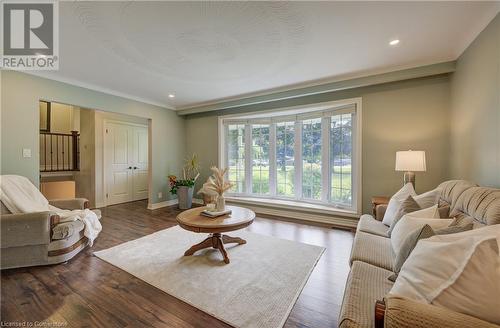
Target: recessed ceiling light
171, 95
394, 42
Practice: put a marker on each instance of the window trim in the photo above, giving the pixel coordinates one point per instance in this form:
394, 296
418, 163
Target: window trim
303, 111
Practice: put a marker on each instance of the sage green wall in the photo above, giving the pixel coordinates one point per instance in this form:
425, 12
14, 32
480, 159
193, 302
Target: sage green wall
411, 114
202, 140
20, 123
475, 110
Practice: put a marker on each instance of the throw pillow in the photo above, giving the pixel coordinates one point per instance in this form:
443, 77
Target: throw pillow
407, 206
428, 199
396, 201
411, 222
411, 241
457, 273
407, 247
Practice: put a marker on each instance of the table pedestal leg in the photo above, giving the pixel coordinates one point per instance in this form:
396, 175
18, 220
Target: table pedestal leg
204, 244
229, 240
216, 241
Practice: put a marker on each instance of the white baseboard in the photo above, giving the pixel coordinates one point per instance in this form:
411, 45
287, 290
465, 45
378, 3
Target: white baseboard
292, 214
171, 202
166, 203
303, 216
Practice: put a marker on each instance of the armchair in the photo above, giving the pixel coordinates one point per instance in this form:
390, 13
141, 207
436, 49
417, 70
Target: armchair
30, 239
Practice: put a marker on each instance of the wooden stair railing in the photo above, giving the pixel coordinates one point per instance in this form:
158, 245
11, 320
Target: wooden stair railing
59, 151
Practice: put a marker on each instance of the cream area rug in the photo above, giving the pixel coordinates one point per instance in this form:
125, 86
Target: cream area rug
257, 289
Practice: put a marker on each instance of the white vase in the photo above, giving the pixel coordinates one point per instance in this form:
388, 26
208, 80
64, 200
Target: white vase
221, 203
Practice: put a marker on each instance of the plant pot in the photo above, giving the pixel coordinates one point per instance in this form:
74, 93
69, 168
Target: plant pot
185, 196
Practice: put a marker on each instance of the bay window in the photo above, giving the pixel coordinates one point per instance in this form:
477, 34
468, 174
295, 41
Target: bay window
309, 154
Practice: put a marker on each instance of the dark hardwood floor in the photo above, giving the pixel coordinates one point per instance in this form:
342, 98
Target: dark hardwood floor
88, 292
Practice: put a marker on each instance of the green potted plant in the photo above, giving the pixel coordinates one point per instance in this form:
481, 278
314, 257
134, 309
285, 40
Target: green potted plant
184, 187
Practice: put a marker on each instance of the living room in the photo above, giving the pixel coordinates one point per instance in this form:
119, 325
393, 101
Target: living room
304, 164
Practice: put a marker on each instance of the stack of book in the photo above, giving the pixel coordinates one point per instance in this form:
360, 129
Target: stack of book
211, 214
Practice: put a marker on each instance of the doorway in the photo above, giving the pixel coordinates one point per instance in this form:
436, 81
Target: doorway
125, 162
74, 152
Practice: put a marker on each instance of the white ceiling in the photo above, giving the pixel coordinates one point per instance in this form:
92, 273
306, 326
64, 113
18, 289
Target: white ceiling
208, 51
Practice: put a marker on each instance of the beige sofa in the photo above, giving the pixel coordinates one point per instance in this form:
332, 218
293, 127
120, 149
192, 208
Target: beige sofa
30, 239
372, 259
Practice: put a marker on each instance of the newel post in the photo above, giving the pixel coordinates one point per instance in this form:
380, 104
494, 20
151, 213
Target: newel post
76, 150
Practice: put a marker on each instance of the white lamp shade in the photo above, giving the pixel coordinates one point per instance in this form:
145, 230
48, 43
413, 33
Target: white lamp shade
410, 160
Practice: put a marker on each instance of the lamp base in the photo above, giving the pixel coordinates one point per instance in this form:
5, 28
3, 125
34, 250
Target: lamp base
409, 177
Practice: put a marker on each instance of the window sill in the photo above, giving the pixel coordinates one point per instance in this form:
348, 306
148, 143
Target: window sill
292, 205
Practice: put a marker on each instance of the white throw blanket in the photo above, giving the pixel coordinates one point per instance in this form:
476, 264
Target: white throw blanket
19, 195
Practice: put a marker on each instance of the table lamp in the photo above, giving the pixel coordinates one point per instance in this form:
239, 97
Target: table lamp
410, 161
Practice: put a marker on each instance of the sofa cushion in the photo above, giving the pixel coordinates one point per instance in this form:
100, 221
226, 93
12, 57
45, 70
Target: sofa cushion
367, 223
365, 285
67, 229
479, 203
452, 189
59, 244
372, 249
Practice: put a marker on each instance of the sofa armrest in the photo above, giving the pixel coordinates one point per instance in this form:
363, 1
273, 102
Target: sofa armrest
70, 204
404, 313
380, 211
27, 228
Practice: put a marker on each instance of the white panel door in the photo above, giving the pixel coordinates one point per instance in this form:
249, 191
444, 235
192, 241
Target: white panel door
119, 173
140, 163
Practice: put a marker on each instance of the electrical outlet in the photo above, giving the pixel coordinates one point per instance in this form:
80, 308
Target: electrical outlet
26, 152
160, 195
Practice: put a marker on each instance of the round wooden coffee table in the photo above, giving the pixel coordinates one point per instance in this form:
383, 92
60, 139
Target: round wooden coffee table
192, 220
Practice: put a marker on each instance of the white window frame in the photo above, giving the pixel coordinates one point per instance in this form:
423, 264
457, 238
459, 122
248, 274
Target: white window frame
250, 190
298, 113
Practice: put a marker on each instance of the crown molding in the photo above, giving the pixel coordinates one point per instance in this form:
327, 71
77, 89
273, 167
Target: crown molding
97, 88
481, 25
296, 91
301, 91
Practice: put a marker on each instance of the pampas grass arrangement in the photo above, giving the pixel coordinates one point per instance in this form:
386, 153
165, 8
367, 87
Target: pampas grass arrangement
216, 183
216, 186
